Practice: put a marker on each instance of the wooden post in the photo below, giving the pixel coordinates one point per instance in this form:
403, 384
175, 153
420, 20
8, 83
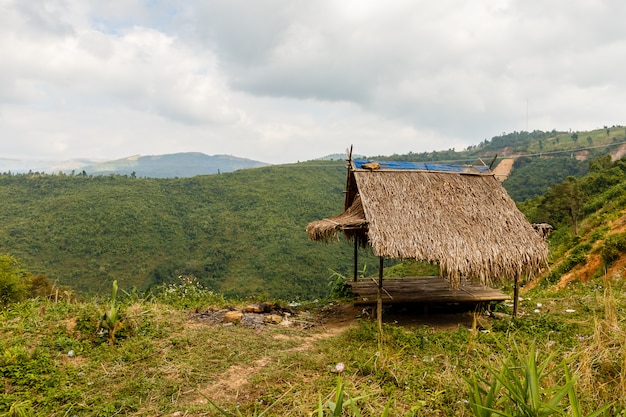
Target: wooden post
379, 304
356, 259
515, 295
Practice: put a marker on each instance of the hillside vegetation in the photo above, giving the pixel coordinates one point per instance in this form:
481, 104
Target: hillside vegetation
589, 217
170, 350
242, 233
174, 354
542, 159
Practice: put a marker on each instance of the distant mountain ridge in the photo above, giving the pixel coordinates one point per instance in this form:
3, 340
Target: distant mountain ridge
177, 165
181, 165
22, 166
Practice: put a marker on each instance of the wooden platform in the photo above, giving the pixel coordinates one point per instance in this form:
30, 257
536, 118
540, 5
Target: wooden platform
427, 290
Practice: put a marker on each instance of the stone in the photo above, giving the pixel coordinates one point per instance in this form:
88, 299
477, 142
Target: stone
273, 319
233, 317
254, 308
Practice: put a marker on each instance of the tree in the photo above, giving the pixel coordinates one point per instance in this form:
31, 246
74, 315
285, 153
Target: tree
564, 200
13, 282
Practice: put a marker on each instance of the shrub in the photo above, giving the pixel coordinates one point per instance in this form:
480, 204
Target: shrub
13, 284
525, 387
613, 246
187, 293
40, 286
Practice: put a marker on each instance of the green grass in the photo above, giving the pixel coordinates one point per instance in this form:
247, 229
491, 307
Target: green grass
167, 360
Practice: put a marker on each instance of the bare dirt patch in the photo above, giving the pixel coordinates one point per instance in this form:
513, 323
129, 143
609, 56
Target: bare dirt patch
234, 383
328, 321
582, 273
503, 169
618, 153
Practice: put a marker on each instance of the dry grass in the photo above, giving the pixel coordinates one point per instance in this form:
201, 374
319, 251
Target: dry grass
602, 359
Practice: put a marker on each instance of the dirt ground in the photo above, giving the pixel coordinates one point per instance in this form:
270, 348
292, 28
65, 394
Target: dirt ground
345, 315
438, 317
503, 169
324, 322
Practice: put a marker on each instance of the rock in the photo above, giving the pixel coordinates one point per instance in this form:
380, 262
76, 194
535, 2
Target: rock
273, 319
268, 307
233, 317
254, 308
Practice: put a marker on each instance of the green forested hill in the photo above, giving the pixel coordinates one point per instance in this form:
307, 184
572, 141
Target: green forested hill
588, 215
542, 159
242, 233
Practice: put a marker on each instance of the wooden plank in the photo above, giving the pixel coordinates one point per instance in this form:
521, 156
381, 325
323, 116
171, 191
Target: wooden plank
423, 290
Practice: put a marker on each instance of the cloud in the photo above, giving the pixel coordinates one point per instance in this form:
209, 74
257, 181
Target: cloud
139, 68
452, 66
281, 80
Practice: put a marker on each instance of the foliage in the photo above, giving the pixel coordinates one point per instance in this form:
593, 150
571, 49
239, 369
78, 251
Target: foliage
534, 176
612, 247
563, 201
524, 387
583, 212
188, 292
340, 403
19, 409
173, 356
240, 233
338, 285
111, 321
13, 284
408, 268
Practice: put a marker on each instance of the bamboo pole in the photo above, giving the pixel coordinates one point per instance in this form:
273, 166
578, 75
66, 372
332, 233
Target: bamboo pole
379, 304
515, 295
356, 254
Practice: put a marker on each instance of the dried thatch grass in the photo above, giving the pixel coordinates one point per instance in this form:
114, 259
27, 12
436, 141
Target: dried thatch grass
466, 223
352, 222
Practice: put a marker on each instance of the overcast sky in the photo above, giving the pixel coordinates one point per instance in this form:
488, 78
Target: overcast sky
287, 80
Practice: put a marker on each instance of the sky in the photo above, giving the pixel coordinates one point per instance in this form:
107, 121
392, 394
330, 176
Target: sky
282, 81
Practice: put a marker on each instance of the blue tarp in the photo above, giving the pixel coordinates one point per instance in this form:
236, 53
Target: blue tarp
422, 166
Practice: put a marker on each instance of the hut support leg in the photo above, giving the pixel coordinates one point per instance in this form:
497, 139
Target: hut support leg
379, 304
356, 254
515, 296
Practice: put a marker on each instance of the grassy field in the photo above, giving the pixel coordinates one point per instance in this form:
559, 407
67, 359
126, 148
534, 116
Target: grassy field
172, 357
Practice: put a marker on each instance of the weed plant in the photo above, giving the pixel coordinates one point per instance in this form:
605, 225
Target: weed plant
167, 360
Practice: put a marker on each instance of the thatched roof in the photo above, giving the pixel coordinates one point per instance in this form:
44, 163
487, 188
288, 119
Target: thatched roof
350, 222
461, 219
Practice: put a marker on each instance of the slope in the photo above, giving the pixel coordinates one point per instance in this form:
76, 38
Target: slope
540, 159
241, 232
589, 219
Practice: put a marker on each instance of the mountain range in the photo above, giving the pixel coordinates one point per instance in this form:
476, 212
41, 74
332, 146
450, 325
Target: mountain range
177, 165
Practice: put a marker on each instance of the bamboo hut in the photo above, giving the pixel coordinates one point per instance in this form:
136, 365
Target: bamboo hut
459, 217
